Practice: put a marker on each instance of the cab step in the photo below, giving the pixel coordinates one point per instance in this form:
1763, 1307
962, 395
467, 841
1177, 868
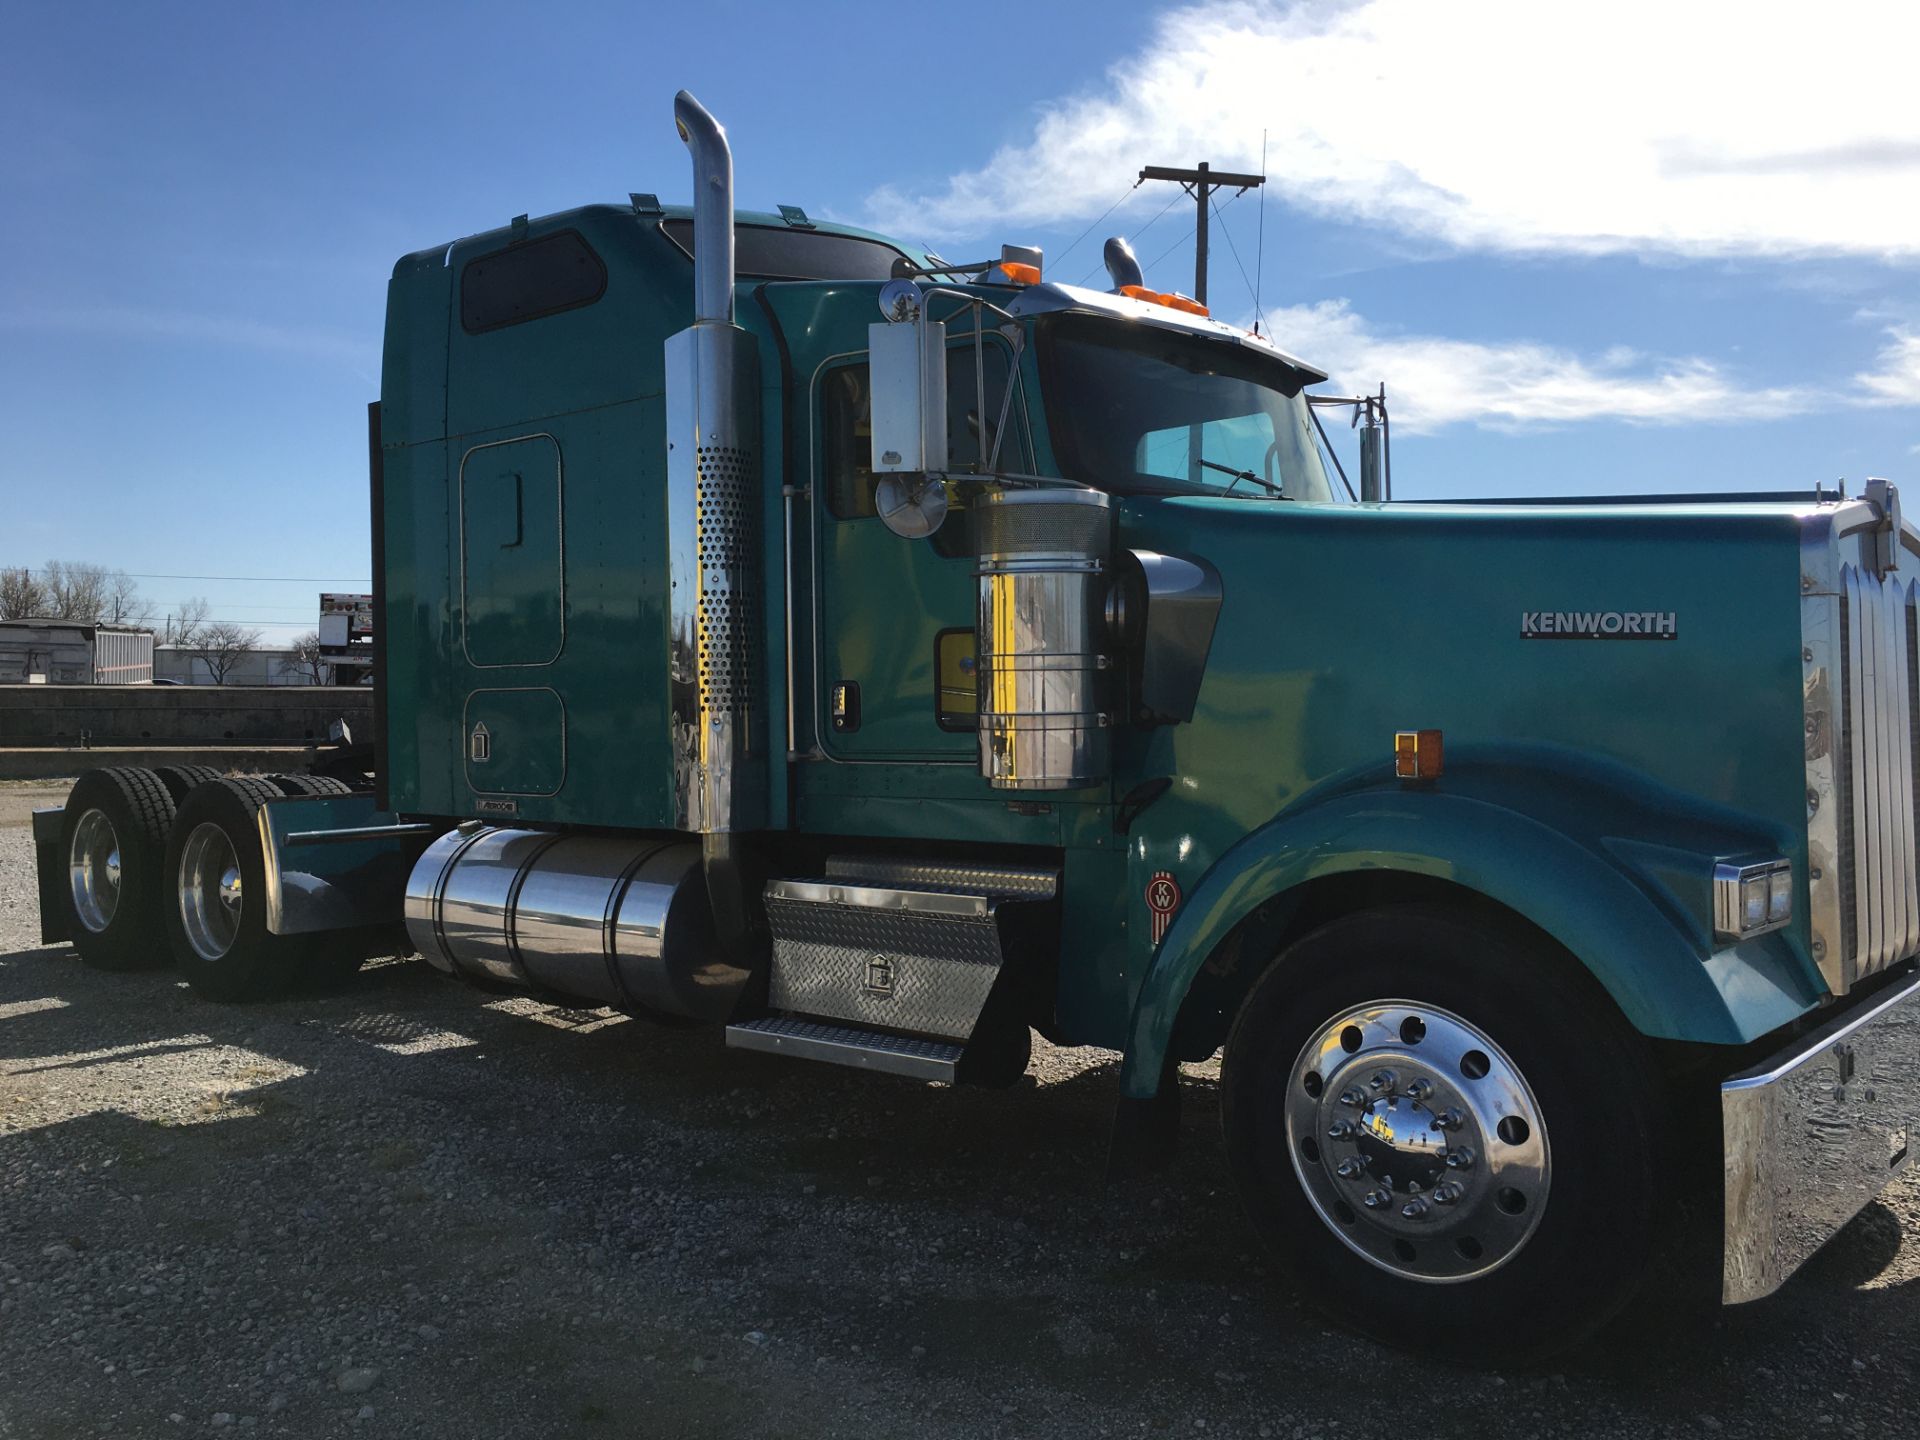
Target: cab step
840, 1044
892, 944
901, 964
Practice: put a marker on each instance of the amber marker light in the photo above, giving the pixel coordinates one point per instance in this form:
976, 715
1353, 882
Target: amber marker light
1417, 754
1018, 274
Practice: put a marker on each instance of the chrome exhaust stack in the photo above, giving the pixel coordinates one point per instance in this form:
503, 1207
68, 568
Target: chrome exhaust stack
714, 503
1123, 266
712, 210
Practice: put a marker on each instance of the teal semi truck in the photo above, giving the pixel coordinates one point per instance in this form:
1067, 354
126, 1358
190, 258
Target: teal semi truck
882, 659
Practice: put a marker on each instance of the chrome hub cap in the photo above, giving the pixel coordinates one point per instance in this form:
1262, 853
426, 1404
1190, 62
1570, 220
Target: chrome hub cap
93, 871
209, 892
1417, 1141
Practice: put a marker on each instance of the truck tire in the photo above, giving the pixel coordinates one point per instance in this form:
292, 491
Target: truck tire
1446, 1133
114, 835
309, 785
215, 912
179, 779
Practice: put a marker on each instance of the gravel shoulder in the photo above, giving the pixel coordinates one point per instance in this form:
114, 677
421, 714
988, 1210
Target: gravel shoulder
409, 1207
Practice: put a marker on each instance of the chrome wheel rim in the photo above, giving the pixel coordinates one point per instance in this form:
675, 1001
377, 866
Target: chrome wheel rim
93, 871
1418, 1141
211, 898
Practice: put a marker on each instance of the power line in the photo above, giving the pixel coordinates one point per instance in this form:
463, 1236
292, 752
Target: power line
1061, 259
1234, 250
1191, 231
1136, 235
1194, 230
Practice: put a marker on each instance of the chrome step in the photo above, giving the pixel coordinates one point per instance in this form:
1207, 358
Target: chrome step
848, 1045
885, 957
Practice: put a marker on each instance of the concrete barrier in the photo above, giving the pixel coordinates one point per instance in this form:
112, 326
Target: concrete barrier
79, 715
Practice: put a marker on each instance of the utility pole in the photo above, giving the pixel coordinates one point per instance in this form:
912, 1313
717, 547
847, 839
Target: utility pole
1200, 182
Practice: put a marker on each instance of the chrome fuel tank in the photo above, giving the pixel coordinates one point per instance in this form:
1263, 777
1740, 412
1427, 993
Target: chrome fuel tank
618, 920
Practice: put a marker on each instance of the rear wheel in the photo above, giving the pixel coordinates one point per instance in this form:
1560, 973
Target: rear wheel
114, 835
180, 779
1446, 1133
216, 916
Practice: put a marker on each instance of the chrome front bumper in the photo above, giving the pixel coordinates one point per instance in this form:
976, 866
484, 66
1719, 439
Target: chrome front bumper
1815, 1133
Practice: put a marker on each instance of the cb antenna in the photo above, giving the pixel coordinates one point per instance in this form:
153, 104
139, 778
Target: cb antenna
1260, 260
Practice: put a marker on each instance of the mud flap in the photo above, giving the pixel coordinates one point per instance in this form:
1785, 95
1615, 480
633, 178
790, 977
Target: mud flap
52, 872
1146, 1133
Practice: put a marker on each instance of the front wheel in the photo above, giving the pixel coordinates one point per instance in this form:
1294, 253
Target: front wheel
1446, 1132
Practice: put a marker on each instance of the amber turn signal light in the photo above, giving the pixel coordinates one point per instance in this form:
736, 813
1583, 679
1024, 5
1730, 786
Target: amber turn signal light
1416, 754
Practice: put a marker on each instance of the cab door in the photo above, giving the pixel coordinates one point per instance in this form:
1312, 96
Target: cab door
895, 653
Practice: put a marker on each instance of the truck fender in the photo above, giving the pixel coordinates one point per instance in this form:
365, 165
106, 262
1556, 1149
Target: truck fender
1596, 901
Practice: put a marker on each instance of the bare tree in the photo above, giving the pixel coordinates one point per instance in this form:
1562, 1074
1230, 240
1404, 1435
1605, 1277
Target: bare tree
306, 659
22, 597
75, 590
223, 645
124, 604
183, 626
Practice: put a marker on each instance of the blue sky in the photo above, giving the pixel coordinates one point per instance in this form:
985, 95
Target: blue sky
1582, 257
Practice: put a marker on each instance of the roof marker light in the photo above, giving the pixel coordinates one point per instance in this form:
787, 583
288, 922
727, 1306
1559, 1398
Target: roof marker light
1161, 297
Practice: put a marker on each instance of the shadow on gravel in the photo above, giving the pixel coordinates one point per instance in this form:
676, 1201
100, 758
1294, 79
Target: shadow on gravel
606, 1207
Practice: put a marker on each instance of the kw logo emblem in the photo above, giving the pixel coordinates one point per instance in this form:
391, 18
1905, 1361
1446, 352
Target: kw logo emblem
1163, 898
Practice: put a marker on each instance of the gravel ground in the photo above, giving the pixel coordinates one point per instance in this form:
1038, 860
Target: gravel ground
413, 1208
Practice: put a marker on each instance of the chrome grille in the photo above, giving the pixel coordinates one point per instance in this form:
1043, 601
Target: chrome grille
1876, 771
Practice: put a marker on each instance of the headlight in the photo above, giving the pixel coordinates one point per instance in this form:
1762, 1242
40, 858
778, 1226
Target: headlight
1751, 900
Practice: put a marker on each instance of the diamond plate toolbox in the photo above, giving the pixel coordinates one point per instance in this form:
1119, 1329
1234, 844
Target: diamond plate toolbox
898, 958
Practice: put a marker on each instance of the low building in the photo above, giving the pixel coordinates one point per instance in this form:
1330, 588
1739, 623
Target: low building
264, 666
69, 652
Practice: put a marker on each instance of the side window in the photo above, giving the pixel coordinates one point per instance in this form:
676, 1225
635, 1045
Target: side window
848, 439
525, 282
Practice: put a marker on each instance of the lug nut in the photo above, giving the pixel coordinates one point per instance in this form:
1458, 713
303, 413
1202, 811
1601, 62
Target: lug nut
1353, 1096
1351, 1168
1340, 1130
1382, 1080
1419, 1089
1374, 1199
1460, 1158
1449, 1119
1448, 1192
1415, 1209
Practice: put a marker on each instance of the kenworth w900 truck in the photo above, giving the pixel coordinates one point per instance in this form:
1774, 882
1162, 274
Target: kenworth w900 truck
882, 660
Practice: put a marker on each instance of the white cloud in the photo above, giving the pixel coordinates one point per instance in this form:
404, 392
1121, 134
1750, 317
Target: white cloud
1896, 381
1433, 382
1699, 128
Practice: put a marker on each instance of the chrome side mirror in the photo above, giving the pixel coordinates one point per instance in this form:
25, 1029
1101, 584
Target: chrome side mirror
907, 380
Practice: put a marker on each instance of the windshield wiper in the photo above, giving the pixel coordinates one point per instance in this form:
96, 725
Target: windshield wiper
1239, 475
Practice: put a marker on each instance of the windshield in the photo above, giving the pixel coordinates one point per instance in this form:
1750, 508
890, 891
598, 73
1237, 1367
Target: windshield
1138, 409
